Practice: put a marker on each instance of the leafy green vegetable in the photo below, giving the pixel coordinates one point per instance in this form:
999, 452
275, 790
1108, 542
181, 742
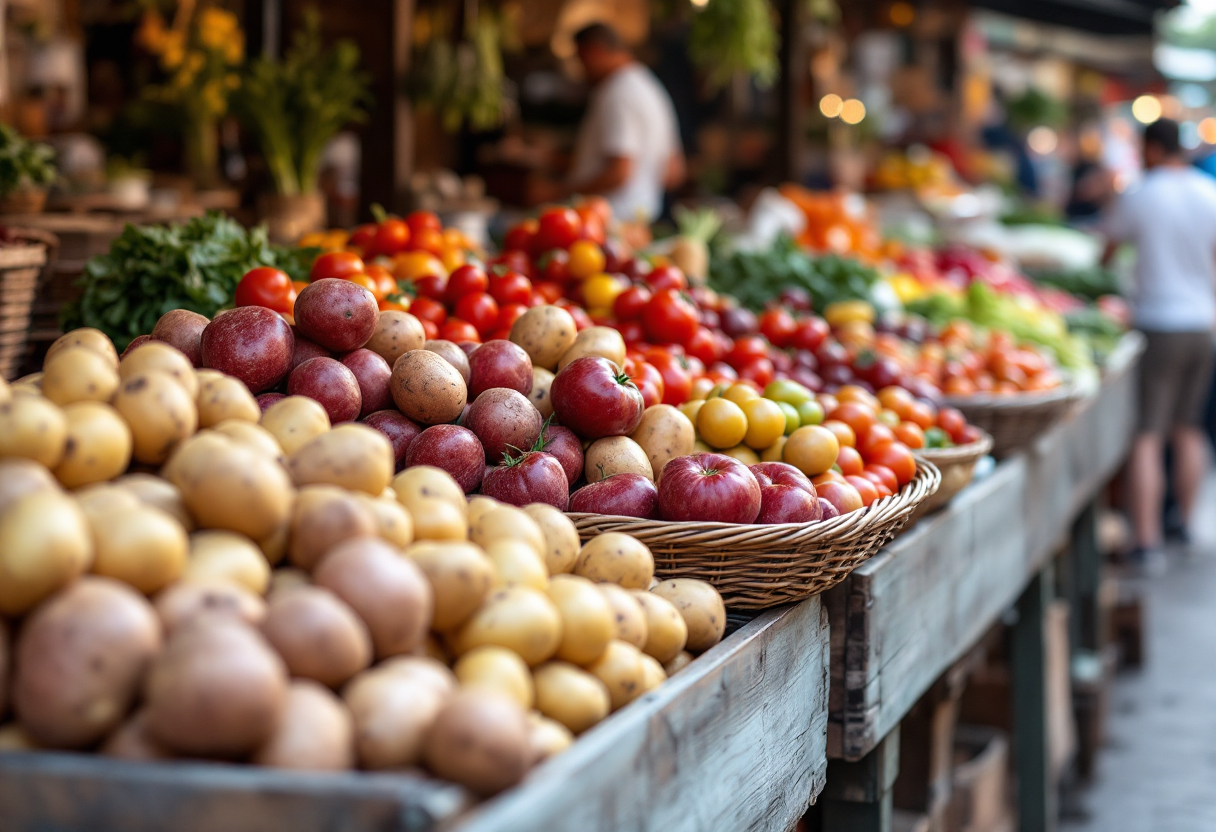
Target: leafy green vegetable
23, 163
1090, 283
734, 36
151, 269
757, 277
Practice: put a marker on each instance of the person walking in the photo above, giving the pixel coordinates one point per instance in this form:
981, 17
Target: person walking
1171, 220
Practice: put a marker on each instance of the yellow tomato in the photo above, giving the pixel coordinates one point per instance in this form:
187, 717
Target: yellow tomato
601, 290
455, 238
775, 452
453, 258
855, 334
740, 393
315, 239
853, 393
812, 450
744, 454
701, 388
721, 423
847, 311
888, 417
765, 422
412, 265
586, 259
717, 390
700, 447
690, 409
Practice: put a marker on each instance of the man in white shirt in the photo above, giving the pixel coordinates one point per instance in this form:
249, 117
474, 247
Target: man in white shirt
1171, 219
628, 147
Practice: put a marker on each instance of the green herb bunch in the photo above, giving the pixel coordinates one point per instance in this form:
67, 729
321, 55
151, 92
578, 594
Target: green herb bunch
735, 36
23, 163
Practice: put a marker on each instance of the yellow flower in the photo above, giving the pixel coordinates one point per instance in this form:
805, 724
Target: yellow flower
215, 27
234, 49
173, 51
151, 32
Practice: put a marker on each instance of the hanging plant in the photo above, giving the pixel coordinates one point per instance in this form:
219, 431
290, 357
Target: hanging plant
734, 36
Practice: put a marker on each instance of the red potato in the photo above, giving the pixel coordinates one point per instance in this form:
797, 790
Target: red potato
453, 449
267, 399
183, 329
561, 443
331, 383
503, 419
593, 398
499, 363
340, 315
624, 495
251, 343
137, 341
372, 372
399, 430
306, 349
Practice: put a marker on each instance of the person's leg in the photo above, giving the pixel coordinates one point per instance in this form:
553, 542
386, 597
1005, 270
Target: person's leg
1190, 453
1188, 443
1147, 489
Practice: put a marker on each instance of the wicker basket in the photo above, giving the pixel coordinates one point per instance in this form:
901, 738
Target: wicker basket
20, 267
1013, 421
957, 465
754, 566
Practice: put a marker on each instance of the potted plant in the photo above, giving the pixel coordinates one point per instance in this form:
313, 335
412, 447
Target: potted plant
295, 105
27, 169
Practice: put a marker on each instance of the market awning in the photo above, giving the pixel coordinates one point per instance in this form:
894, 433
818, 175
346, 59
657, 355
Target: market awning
1104, 17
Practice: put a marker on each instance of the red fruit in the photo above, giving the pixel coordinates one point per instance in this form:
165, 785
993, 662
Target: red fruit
620, 495
562, 444
647, 379
532, 477
372, 373
399, 430
778, 326
432, 286
759, 370
182, 329
503, 420
423, 221
251, 343
305, 349
265, 286
708, 488
337, 314
137, 341
548, 292
704, 346
510, 287
829, 509
843, 496
519, 237
745, 349
661, 278
465, 280
670, 318
430, 330
629, 303
364, 238
265, 400
499, 363
457, 330
786, 495
341, 265
554, 266
331, 383
392, 236
737, 322
810, 333
557, 228
594, 399
677, 375
509, 314
480, 310
453, 449
429, 309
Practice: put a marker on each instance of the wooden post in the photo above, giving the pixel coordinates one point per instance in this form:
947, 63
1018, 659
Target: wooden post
1032, 762
791, 116
858, 796
1086, 576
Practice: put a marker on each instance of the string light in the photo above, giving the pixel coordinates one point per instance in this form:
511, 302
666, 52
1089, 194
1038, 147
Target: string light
830, 105
852, 111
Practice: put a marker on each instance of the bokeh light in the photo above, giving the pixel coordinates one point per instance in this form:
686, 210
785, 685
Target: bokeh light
1207, 130
1146, 109
852, 111
831, 104
1043, 140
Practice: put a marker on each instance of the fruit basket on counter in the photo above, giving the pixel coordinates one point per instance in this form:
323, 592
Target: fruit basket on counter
1014, 420
957, 467
761, 566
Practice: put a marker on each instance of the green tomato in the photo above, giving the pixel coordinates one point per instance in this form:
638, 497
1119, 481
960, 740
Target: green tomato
810, 413
718, 390
935, 437
792, 420
788, 391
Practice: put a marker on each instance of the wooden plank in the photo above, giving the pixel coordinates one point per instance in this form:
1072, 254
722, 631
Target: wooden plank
734, 742
1036, 791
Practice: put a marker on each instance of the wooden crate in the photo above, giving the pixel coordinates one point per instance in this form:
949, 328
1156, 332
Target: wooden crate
981, 781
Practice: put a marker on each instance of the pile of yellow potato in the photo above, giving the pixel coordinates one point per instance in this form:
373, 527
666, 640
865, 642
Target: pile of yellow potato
182, 575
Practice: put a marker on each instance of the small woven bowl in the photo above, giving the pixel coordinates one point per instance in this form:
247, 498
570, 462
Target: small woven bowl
1015, 420
957, 465
756, 566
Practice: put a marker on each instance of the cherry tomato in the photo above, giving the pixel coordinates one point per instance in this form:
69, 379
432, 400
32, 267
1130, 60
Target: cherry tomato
339, 264
899, 459
364, 238
456, 330
910, 434
466, 280
677, 380
429, 240
631, 331
510, 287
746, 349
586, 259
298, 285
430, 330
865, 488
581, 319
431, 286
704, 346
519, 237
516, 261
670, 318
367, 282
666, 277
428, 309
423, 221
386, 284
721, 371
479, 309
758, 370
648, 380
554, 266
392, 236
876, 437
879, 484
857, 416
557, 228
849, 461
810, 333
509, 313
268, 287
548, 292
596, 205
402, 305
778, 326
884, 475
952, 422
921, 414
629, 303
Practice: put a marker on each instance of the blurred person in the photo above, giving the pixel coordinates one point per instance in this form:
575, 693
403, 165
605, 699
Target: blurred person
1093, 184
628, 147
1170, 217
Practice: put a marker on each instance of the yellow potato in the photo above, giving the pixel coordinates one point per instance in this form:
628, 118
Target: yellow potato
93, 339
545, 333
460, 575
393, 522
542, 380
615, 455
681, 661
19, 477
666, 632
98, 445
588, 621
546, 737
424, 482
160, 413
496, 669
664, 434
436, 519
508, 523
616, 558
701, 607
653, 673
101, 499
627, 614
162, 494
45, 543
561, 537
143, 546
516, 564
222, 397
351, 455
32, 427
316, 733
227, 556
479, 505
603, 341
79, 374
570, 695
396, 333
157, 355
621, 670
393, 713
324, 516
295, 421
518, 618
252, 435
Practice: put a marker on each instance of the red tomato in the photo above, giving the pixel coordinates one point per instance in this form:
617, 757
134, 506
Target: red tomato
677, 380
631, 331
704, 346
810, 333
867, 489
431, 286
386, 284
509, 313
849, 461
394, 306
428, 309
550, 293
427, 239
879, 483
594, 223
746, 348
364, 237
339, 264
778, 326
629, 303
884, 475
721, 371
554, 266
430, 329
423, 221
516, 261
457, 330
666, 277
952, 422
466, 280
392, 236
759, 370
899, 459
519, 237
557, 228
647, 379
581, 319
510, 287
670, 318
479, 309
876, 437
268, 287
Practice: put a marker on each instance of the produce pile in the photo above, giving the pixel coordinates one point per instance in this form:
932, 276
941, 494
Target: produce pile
187, 575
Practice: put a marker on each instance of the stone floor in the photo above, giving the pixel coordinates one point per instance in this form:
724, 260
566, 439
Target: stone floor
1157, 772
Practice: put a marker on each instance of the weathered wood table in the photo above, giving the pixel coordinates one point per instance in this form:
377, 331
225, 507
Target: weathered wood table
905, 617
736, 741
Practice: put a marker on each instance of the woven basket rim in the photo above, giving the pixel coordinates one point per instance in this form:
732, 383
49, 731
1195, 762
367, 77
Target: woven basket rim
841, 529
959, 453
1010, 402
